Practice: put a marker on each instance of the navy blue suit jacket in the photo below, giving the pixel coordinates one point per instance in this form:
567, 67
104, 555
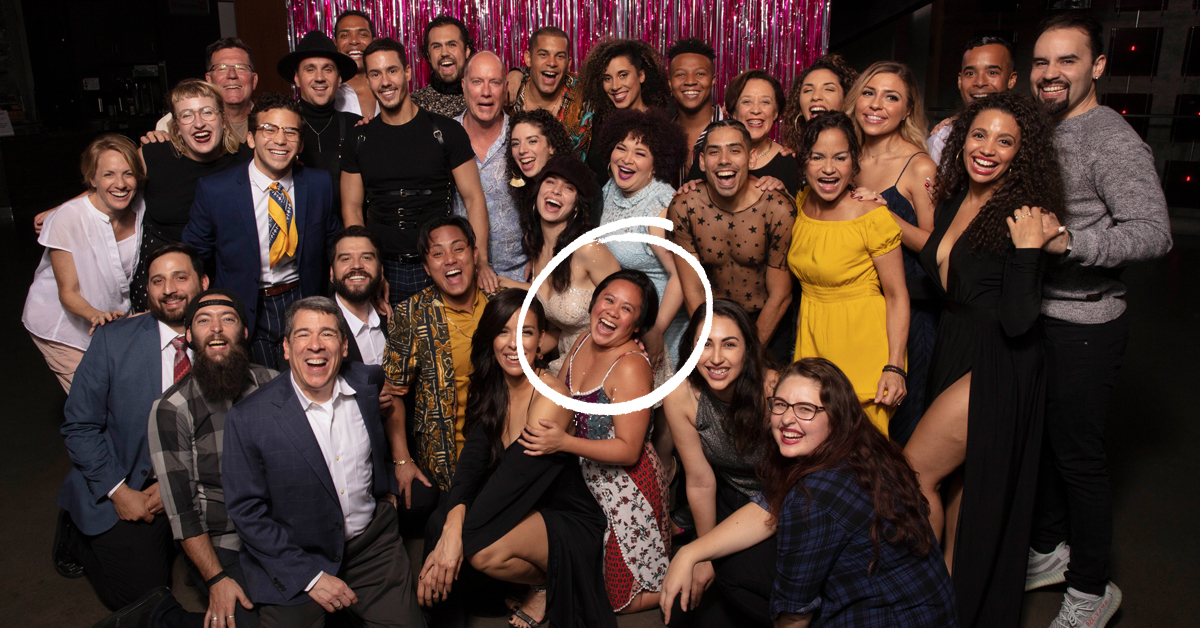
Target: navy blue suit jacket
116, 383
279, 491
223, 229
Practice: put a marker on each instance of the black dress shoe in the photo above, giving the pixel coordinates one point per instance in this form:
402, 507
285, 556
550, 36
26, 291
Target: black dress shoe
139, 613
64, 561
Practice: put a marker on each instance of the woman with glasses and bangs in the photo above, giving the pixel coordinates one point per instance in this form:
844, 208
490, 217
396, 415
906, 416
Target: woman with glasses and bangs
854, 547
201, 144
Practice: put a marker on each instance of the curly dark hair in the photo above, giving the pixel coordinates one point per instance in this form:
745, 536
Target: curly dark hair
880, 467
656, 90
793, 114
746, 415
665, 139
1033, 178
692, 45
554, 131
578, 224
812, 131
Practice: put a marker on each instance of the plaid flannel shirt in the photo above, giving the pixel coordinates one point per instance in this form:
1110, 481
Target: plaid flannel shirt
185, 433
825, 563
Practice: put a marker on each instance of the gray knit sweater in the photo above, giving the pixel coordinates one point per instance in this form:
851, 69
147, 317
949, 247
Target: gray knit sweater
1116, 214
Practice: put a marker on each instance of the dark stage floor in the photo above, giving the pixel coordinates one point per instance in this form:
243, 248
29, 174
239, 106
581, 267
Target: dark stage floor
1152, 433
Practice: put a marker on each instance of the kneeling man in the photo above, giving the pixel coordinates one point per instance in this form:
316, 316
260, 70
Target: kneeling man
309, 489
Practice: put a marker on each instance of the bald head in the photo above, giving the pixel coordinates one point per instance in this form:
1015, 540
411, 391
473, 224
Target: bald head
483, 87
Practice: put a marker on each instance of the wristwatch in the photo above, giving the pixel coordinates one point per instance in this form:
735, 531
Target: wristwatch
1070, 240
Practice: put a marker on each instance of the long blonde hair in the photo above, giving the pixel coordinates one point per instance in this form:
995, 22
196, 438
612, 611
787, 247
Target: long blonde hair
196, 88
915, 126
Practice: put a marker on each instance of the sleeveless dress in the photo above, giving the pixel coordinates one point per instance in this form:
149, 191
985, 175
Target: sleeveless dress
922, 322
648, 203
637, 544
568, 310
843, 316
735, 472
989, 329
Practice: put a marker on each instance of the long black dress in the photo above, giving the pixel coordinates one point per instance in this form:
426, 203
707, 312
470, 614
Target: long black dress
987, 329
498, 496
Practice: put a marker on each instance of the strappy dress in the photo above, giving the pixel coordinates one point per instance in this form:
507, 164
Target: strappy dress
568, 310
637, 543
922, 323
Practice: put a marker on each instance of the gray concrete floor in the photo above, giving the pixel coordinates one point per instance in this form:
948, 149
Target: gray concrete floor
1152, 426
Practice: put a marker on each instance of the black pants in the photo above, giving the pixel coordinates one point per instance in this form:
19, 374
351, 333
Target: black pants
1074, 497
170, 614
425, 500
127, 561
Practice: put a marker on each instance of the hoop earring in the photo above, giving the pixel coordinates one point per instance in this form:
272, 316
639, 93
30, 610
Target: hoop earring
959, 157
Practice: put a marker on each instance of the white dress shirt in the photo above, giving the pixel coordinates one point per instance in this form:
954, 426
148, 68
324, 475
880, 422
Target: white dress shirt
287, 270
346, 99
86, 233
368, 335
165, 336
346, 446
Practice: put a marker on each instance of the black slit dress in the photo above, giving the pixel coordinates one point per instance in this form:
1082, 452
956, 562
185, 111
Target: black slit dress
499, 496
989, 329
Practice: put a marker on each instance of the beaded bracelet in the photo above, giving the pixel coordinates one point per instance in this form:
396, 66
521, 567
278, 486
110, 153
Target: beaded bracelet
895, 369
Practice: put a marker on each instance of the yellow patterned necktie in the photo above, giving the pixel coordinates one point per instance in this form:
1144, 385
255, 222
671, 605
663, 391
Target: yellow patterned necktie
283, 224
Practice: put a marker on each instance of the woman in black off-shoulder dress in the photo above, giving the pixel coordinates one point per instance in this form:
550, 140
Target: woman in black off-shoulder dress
998, 176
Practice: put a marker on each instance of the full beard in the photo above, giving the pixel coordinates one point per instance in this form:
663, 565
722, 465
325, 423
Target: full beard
222, 380
357, 295
156, 310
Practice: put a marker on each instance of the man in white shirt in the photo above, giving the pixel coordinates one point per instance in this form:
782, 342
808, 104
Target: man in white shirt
355, 275
122, 540
353, 32
988, 67
308, 485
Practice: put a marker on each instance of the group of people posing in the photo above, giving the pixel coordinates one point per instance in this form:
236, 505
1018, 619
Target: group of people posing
897, 417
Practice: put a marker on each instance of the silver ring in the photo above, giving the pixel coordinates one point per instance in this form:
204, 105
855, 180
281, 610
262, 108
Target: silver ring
229, 617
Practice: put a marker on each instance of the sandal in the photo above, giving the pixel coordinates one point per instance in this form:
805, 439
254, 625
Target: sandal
514, 605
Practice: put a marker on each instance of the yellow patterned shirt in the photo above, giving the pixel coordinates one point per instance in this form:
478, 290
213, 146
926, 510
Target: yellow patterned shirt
420, 354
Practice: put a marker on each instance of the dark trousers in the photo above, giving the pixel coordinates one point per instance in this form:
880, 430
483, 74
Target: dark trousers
425, 500
1074, 497
127, 561
782, 344
376, 568
266, 343
404, 280
170, 614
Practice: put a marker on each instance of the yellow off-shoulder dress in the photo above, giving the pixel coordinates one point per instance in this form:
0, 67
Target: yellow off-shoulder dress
843, 316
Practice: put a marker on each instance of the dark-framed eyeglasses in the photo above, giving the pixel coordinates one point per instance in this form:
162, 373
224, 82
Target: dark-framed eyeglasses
803, 411
240, 68
187, 116
271, 131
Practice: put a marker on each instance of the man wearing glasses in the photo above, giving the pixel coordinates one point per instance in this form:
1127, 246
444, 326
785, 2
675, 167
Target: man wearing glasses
228, 65
267, 226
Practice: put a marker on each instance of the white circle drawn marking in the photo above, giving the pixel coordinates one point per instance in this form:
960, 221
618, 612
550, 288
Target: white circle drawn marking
645, 401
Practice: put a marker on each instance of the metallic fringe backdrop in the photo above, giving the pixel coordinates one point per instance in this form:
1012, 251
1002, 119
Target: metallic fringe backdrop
779, 36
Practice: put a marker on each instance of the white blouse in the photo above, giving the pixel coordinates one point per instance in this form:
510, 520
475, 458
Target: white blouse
86, 233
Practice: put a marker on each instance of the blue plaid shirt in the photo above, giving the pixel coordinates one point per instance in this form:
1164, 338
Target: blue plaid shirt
825, 549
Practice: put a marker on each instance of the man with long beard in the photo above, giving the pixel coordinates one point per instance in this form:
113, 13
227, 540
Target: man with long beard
184, 433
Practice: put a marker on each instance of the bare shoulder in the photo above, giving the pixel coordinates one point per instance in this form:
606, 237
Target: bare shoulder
554, 383
858, 208
593, 253
922, 166
681, 403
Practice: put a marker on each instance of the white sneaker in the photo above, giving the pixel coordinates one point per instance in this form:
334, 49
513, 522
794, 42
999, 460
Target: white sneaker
1046, 569
1081, 612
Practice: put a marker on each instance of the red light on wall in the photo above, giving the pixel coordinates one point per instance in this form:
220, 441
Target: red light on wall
1132, 48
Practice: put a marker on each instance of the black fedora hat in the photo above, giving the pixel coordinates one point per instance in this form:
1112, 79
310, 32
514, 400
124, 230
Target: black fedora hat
316, 44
